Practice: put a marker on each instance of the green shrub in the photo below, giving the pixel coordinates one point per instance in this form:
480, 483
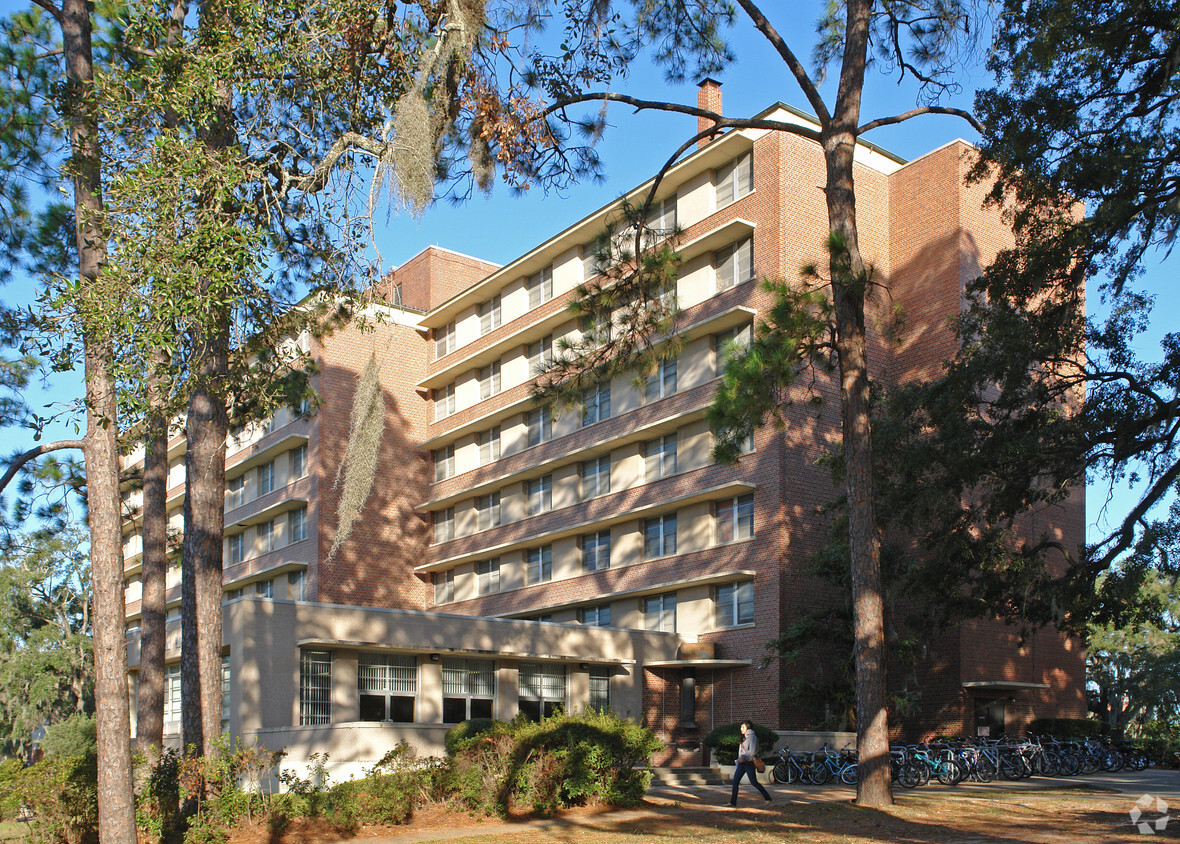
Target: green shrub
725, 740
562, 761
157, 793
61, 792
1069, 727
75, 736
461, 736
11, 772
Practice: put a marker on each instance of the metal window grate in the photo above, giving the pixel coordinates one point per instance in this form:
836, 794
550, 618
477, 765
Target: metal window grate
315, 687
387, 673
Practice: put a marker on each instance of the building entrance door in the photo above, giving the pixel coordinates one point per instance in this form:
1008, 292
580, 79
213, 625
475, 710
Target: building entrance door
989, 717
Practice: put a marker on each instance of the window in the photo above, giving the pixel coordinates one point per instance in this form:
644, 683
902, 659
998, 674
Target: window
268, 538
734, 518
235, 491
489, 380
315, 687
540, 355
487, 573
659, 457
489, 315
444, 587
734, 264
299, 462
444, 525
489, 445
444, 462
295, 584
539, 564
444, 402
596, 403
172, 703
266, 477
487, 511
731, 342
663, 217
539, 423
225, 691
595, 616
264, 589
387, 686
538, 495
237, 546
590, 262
542, 689
659, 613
595, 550
659, 536
444, 341
662, 382
469, 689
596, 476
297, 525
734, 180
540, 287
734, 604
599, 688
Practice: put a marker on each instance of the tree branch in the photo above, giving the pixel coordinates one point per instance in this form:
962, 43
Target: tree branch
719, 122
32, 454
52, 9
796, 67
917, 112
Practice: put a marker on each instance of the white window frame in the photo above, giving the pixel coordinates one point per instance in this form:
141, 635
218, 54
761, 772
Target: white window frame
469, 680
659, 536
235, 492
540, 354
389, 676
659, 612
444, 402
538, 494
538, 425
266, 478
545, 684
444, 587
490, 383
540, 287
297, 525
489, 315
733, 519
595, 476
595, 616
599, 688
662, 382
268, 537
444, 525
444, 462
660, 457
489, 445
487, 511
299, 462
734, 264
444, 341
237, 548
596, 403
487, 573
733, 180
538, 564
733, 604
595, 550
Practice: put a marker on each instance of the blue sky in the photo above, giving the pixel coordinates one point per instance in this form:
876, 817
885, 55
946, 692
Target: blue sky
502, 227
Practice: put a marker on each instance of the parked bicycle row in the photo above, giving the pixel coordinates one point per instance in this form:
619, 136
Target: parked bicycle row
974, 760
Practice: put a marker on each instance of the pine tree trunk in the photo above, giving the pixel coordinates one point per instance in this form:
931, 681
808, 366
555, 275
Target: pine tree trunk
116, 807
149, 719
848, 291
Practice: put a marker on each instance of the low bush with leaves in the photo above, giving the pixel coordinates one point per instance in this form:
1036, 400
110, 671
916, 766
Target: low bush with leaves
725, 740
565, 760
60, 793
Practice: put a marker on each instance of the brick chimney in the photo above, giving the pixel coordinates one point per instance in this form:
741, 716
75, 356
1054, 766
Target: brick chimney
708, 97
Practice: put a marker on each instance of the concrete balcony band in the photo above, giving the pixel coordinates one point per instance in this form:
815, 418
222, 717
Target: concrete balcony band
533, 539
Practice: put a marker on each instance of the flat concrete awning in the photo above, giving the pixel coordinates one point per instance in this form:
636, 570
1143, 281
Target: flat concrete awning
699, 663
1002, 686
353, 644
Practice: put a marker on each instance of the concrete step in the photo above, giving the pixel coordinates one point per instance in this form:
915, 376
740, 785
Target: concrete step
683, 777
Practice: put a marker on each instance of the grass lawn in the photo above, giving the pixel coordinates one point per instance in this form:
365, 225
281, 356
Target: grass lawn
1067, 816
12, 830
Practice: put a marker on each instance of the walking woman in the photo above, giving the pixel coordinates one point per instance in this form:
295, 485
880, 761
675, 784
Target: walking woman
745, 763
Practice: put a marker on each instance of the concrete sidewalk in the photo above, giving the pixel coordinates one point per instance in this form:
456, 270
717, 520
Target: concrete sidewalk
1156, 782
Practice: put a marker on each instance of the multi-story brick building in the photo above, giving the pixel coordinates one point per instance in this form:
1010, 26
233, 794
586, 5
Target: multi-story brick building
513, 558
